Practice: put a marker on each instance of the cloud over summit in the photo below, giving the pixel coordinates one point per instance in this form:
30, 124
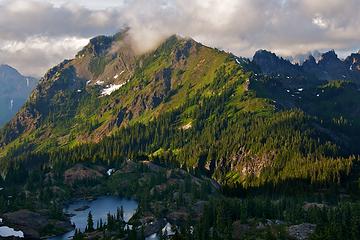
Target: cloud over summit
57, 29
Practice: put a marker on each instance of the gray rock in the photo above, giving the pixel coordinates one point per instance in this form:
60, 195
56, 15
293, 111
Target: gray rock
302, 231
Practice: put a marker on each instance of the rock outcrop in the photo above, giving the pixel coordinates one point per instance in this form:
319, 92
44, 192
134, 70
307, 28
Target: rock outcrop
302, 231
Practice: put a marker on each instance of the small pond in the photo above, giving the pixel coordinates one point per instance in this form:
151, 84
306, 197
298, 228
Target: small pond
99, 208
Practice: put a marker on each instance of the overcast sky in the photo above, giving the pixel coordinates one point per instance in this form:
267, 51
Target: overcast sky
37, 34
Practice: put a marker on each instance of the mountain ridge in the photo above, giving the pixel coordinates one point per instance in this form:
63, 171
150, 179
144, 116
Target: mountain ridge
15, 90
327, 67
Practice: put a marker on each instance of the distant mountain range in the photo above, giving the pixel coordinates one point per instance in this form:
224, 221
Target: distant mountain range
328, 67
14, 91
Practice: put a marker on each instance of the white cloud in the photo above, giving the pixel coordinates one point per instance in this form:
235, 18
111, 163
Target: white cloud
31, 28
35, 55
319, 21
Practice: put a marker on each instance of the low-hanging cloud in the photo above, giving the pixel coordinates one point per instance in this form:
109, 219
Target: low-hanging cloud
35, 35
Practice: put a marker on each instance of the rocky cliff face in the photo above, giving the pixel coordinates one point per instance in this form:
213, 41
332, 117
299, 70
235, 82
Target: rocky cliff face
14, 91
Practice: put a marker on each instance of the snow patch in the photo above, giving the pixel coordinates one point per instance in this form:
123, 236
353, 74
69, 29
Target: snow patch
10, 232
99, 82
79, 90
187, 126
110, 171
88, 82
300, 89
11, 104
153, 236
112, 88
168, 229
128, 226
118, 75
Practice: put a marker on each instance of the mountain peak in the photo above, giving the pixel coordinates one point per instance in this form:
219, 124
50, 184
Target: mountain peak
330, 55
330, 58
264, 53
7, 69
270, 63
311, 59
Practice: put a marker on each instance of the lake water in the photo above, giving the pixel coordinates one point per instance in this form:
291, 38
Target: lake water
99, 209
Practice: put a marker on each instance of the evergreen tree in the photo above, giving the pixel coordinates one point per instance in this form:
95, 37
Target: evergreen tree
90, 223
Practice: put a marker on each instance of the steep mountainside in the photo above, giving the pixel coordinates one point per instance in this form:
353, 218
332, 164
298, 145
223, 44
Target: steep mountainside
184, 103
14, 91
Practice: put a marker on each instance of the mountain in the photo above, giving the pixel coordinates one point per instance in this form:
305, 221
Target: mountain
14, 91
272, 64
328, 66
205, 109
185, 130
82, 89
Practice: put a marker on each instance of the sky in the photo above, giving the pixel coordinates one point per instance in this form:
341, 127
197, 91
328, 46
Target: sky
38, 34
